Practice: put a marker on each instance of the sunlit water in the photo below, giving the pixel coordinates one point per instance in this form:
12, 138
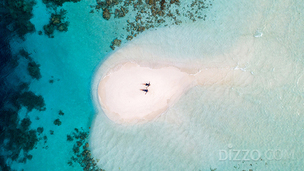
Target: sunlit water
261, 118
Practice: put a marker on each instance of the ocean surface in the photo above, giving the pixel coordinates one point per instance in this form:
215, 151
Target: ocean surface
256, 126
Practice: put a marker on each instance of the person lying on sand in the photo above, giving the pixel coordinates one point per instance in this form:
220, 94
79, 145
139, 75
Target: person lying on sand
145, 90
147, 84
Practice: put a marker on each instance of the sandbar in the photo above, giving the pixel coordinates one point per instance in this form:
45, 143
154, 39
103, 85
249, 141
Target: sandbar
123, 101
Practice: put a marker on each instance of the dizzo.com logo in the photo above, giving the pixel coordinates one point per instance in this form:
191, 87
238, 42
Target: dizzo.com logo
254, 155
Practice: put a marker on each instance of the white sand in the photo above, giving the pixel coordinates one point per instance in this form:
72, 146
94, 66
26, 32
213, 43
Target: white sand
123, 101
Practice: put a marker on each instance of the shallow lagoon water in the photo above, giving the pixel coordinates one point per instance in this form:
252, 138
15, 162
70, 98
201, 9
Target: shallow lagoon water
208, 122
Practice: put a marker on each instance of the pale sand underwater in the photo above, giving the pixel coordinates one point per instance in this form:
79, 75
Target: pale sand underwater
249, 95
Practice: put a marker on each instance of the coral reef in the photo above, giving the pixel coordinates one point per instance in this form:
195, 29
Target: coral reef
82, 154
34, 70
25, 54
60, 113
20, 139
3, 165
107, 5
49, 30
17, 16
120, 12
151, 13
58, 2
25, 123
116, 42
16, 137
31, 101
106, 14
56, 20
69, 138
40, 130
56, 23
57, 122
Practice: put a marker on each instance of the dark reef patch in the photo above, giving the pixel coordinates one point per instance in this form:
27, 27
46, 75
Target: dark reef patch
31, 101
25, 54
116, 42
69, 138
21, 139
25, 123
58, 2
16, 136
57, 122
56, 23
150, 13
60, 113
82, 154
40, 130
16, 15
34, 70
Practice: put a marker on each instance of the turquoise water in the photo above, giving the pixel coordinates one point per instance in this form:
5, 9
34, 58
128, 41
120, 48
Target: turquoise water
209, 122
